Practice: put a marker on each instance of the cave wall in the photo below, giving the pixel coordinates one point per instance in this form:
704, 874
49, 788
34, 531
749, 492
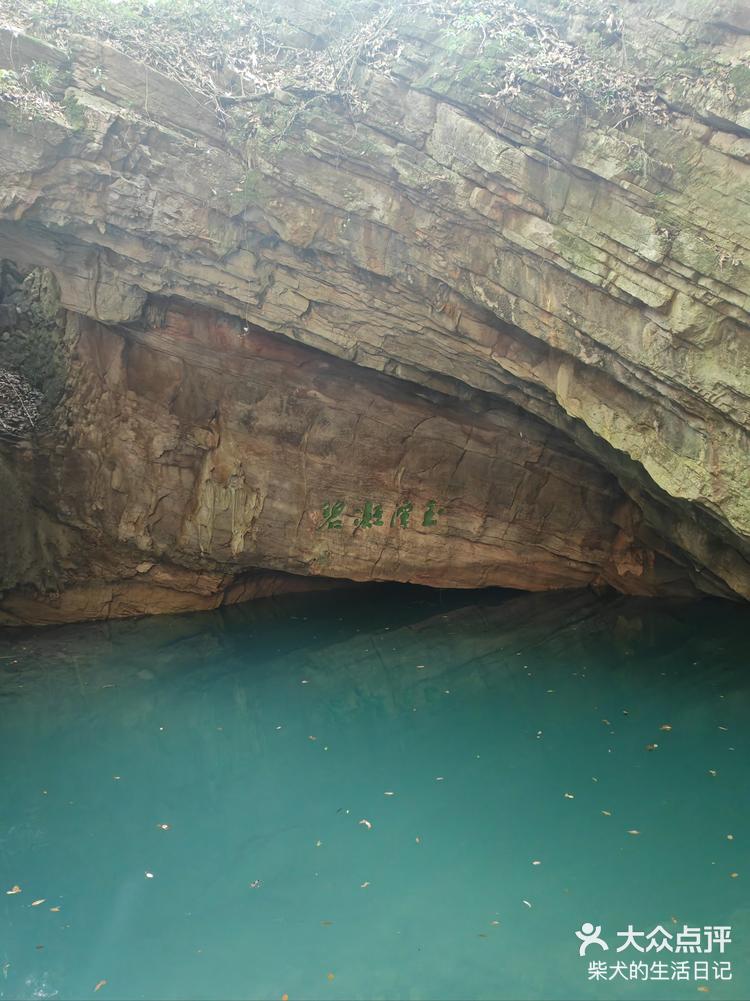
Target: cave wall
532, 317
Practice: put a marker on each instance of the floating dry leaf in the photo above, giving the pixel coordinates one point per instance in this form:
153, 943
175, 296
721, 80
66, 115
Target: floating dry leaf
366, 823
703, 989
606, 722
666, 727
36, 903
99, 986
327, 924
54, 909
651, 747
634, 832
284, 997
733, 875
12, 890
331, 976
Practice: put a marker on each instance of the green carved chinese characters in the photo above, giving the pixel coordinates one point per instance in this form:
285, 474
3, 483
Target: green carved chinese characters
370, 515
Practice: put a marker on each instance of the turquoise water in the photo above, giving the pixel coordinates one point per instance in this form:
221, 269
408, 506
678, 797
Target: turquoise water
262, 736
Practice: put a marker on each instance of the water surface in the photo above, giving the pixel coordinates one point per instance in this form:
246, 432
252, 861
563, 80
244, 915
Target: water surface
260, 737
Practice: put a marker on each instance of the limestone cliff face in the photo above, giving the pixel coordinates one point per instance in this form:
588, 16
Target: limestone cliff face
514, 334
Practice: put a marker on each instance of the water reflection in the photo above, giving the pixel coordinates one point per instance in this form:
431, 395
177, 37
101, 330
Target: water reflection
262, 735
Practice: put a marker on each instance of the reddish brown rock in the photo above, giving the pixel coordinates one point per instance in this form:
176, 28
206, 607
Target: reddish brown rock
201, 449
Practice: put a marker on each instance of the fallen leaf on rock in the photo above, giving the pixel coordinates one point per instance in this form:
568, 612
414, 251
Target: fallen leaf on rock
99, 986
36, 903
366, 823
13, 890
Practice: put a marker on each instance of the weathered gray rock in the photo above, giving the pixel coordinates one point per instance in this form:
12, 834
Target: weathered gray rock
552, 311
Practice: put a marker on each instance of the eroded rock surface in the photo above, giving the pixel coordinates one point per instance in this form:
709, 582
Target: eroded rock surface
534, 318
